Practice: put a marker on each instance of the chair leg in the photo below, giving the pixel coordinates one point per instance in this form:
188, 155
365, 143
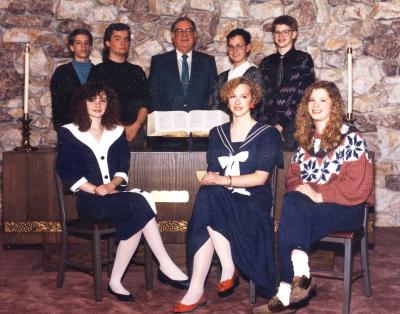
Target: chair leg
97, 266
63, 257
365, 266
252, 292
347, 274
111, 250
148, 266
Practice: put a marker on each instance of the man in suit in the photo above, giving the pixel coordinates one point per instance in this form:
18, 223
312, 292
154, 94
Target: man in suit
68, 77
182, 79
286, 75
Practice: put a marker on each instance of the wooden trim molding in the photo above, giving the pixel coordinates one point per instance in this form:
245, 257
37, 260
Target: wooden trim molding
54, 226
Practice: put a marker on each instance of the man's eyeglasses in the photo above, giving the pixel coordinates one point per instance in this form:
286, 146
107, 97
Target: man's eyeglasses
284, 32
180, 31
236, 47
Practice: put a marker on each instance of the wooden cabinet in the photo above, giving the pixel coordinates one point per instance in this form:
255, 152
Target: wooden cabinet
30, 210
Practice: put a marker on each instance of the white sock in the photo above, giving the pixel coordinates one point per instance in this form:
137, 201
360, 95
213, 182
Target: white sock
123, 256
284, 291
301, 266
223, 249
167, 266
201, 265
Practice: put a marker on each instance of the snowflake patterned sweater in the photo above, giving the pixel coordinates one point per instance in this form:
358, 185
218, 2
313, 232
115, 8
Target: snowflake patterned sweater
343, 176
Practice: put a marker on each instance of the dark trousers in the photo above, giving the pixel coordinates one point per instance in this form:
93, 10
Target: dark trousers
304, 222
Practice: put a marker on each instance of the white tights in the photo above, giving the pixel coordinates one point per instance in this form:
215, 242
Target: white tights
126, 249
202, 261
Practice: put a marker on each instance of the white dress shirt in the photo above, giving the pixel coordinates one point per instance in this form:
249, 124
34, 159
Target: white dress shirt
179, 60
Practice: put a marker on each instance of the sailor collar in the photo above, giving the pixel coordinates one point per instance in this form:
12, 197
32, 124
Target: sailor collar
225, 135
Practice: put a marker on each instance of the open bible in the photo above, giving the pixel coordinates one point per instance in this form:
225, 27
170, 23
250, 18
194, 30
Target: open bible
198, 123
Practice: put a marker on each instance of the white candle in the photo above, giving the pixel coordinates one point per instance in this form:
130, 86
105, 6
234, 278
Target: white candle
349, 80
26, 82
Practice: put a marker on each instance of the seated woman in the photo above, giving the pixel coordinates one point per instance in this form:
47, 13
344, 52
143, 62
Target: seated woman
239, 46
231, 210
329, 180
93, 161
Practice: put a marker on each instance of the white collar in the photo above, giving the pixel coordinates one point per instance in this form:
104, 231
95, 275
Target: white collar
107, 138
180, 54
239, 71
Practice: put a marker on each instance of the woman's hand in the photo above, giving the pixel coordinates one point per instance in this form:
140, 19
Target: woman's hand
105, 189
310, 192
214, 178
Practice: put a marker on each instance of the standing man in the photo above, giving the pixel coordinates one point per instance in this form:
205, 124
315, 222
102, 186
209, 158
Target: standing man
127, 80
286, 75
68, 77
182, 79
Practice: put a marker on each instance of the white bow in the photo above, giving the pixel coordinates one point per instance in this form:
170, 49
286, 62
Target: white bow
232, 168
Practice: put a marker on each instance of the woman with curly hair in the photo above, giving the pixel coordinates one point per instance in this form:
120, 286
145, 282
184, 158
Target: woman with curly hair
231, 211
93, 162
329, 180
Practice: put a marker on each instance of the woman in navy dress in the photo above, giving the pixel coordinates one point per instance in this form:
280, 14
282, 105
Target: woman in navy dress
231, 211
93, 161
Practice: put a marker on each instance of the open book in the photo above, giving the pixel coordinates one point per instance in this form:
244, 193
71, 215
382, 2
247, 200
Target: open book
181, 123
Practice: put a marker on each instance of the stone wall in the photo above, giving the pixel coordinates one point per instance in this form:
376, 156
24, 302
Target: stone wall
372, 28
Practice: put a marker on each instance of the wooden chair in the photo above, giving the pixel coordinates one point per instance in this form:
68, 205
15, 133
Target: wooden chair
95, 232
274, 178
348, 239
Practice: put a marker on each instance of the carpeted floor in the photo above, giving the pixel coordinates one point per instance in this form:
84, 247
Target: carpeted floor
24, 288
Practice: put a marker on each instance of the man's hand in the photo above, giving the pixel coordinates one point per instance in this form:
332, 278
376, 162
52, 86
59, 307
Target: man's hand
131, 131
310, 192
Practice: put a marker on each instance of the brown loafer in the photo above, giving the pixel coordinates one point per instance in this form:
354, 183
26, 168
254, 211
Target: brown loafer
301, 288
274, 305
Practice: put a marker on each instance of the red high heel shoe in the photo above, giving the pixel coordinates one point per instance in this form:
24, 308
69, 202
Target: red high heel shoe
226, 287
183, 308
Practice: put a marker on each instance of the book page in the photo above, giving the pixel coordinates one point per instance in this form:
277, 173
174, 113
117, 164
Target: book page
202, 121
168, 123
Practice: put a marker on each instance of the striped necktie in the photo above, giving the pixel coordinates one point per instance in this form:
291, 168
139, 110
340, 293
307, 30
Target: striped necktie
185, 74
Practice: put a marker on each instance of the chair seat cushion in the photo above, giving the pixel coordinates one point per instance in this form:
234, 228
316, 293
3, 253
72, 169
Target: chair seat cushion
90, 225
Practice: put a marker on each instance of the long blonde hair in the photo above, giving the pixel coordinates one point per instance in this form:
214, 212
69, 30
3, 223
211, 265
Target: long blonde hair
305, 127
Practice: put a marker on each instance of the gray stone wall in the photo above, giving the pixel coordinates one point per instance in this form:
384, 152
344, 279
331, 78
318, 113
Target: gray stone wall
372, 28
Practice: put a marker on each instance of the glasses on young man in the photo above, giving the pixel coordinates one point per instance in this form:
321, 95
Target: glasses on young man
285, 32
180, 31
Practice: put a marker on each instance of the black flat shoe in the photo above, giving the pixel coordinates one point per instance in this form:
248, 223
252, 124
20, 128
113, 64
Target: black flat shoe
121, 297
179, 284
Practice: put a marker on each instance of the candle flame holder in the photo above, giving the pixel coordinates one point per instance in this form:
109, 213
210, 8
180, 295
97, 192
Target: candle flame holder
26, 146
349, 118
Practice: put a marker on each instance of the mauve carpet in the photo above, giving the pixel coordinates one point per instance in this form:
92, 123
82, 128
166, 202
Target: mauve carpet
24, 288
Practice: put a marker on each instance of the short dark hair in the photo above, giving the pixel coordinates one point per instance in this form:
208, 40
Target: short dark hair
239, 32
180, 19
285, 20
79, 114
76, 32
108, 33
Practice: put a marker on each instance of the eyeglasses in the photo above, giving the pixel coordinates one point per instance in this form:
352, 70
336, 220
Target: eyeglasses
284, 32
180, 31
236, 47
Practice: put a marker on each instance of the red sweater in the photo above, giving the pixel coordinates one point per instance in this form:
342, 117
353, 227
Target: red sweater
343, 176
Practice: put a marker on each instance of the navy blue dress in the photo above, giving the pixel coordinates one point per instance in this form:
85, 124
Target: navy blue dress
241, 215
81, 159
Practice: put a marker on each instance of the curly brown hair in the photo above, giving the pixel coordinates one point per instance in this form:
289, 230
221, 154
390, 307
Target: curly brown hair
255, 90
79, 114
305, 127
